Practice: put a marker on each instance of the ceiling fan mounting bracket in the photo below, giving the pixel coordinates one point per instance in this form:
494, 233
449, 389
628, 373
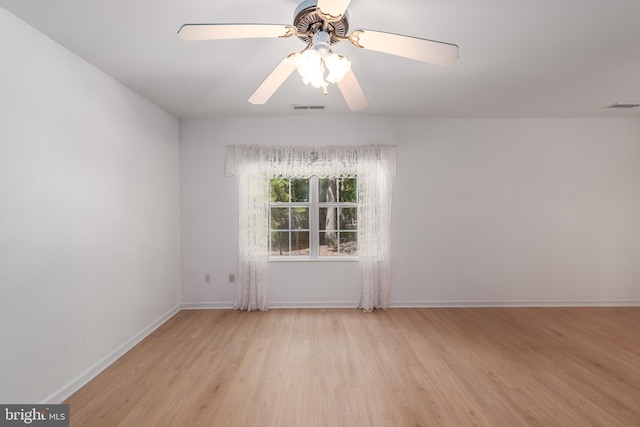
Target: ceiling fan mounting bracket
308, 21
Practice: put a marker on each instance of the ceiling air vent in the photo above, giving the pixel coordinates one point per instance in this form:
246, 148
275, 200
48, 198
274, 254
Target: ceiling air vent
616, 105
308, 107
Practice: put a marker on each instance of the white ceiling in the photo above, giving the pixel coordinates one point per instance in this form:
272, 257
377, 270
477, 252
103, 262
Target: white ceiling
542, 58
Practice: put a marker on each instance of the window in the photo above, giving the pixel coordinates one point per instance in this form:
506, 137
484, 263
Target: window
312, 218
357, 209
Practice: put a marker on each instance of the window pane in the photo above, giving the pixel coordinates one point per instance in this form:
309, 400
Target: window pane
348, 190
332, 217
279, 218
300, 243
348, 218
348, 243
328, 243
300, 218
279, 243
279, 190
327, 190
300, 190
328, 218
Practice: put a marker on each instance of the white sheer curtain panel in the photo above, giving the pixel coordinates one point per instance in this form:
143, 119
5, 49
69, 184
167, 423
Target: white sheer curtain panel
373, 165
253, 242
375, 183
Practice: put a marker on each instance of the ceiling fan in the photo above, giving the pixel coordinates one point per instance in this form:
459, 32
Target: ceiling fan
320, 24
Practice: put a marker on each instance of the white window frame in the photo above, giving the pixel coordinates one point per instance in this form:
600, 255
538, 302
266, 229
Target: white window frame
314, 205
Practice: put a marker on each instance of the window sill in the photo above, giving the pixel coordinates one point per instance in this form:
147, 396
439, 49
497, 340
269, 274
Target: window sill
306, 259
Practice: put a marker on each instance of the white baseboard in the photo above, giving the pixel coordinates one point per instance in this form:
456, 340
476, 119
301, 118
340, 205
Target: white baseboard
314, 304
74, 385
534, 303
272, 304
424, 304
206, 306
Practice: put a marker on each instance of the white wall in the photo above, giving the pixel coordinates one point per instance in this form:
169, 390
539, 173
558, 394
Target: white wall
518, 212
209, 212
89, 216
486, 212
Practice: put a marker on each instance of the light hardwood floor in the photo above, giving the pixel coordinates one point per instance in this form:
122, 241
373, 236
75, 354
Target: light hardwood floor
400, 367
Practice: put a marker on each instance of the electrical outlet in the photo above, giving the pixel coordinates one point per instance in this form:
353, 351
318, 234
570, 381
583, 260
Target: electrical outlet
207, 278
232, 278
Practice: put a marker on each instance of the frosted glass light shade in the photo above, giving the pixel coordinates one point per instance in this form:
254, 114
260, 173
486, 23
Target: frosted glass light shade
318, 69
338, 67
311, 68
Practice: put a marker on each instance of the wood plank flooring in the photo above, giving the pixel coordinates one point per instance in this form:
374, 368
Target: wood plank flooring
400, 367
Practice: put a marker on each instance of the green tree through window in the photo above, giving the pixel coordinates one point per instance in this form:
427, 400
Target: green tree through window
313, 217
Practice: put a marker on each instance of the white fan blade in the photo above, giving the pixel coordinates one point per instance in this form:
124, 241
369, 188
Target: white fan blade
434, 52
352, 92
274, 80
191, 32
332, 10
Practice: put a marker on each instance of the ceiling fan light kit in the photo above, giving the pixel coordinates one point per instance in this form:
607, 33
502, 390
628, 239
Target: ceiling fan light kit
320, 24
318, 65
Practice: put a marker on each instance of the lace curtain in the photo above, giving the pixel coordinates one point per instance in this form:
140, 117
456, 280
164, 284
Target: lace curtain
375, 167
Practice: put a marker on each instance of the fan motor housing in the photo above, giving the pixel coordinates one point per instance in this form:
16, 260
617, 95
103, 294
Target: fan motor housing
307, 20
